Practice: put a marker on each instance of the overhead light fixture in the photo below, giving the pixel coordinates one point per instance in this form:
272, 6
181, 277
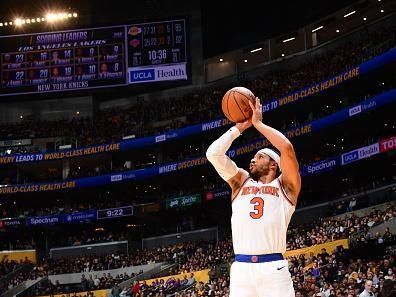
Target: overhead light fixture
316, 29
364, 19
50, 17
349, 14
289, 39
256, 50
338, 31
221, 60
382, 11
283, 55
245, 61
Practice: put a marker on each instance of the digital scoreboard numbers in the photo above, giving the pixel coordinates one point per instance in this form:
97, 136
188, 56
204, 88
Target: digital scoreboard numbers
111, 213
62, 61
157, 51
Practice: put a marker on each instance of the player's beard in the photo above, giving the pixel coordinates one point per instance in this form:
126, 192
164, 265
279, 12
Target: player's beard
257, 173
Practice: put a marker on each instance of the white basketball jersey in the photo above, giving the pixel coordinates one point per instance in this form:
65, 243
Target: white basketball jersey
260, 216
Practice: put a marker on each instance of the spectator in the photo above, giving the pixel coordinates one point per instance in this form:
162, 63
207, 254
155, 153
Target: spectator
368, 289
115, 291
352, 204
388, 289
191, 280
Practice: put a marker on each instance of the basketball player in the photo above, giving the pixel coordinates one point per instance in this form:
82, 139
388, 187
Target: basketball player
263, 202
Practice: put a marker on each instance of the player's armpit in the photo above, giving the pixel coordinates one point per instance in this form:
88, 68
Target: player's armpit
236, 183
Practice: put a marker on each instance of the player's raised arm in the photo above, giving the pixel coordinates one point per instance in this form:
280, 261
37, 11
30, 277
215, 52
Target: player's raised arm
224, 166
290, 178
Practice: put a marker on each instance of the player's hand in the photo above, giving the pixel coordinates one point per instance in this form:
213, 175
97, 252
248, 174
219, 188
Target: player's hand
244, 125
257, 116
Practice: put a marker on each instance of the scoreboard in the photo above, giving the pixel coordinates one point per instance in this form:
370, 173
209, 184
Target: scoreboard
157, 51
93, 58
61, 61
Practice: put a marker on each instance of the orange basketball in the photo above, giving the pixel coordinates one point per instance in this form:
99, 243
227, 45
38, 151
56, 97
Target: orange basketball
235, 104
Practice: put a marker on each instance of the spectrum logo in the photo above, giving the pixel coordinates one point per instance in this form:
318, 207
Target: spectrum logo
321, 166
142, 75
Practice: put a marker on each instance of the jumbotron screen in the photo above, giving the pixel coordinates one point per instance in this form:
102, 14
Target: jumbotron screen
157, 51
93, 58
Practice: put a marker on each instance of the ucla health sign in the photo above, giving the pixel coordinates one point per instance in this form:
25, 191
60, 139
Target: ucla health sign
368, 151
360, 153
159, 73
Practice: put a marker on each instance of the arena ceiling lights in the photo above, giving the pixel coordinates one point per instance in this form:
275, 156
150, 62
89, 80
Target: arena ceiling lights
317, 29
288, 39
256, 50
350, 13
50, 17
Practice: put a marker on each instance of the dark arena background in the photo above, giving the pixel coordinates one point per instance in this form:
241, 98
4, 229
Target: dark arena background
108, 107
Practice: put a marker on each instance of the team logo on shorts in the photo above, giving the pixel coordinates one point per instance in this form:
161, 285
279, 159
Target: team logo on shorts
254, 259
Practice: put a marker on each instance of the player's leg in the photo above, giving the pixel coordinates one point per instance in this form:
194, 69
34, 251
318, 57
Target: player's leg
241, 284
273, 279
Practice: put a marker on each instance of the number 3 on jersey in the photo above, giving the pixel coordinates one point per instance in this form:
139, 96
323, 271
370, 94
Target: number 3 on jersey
258, 203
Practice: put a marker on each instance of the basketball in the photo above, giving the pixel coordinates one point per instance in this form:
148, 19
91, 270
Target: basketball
235, 104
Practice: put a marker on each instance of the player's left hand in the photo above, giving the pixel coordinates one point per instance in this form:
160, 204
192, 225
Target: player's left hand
242, 126
257, 116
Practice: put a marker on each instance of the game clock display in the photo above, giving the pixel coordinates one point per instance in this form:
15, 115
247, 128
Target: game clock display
157, 51
115, 212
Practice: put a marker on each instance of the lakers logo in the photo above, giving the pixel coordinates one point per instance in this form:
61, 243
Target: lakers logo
135, 31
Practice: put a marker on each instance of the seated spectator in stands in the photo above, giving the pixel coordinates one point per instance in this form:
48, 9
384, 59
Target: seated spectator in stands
184, 281
315, 269
387, 235
143, 287
136, 288
115, 291
191, 280
124, 292
368, 289
388, 289
352, 204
